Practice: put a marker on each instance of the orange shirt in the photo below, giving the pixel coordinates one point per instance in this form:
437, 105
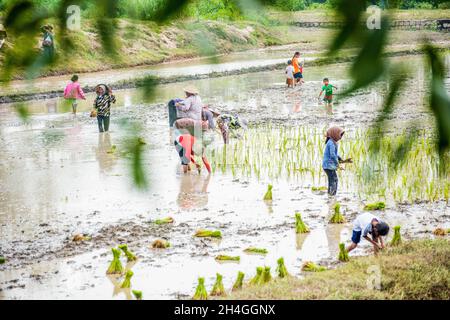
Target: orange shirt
295, 64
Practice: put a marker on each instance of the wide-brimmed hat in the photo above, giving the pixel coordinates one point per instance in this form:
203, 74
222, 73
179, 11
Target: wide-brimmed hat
190, 89
47, 27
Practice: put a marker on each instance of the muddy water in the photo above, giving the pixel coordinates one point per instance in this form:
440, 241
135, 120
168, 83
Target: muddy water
66, 182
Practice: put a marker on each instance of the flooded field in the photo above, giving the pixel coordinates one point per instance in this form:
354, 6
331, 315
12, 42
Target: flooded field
61, 178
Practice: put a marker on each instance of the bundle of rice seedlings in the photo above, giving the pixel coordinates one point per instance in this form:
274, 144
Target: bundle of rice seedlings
256, 250
439, 232
218, 289
160, 244
2, 260
343, 254
80, 237
130, 255
380, 205
116, 266
281, 269
200, 291
227, 258
112, 150
267, 276
300, 226
312, 267
127, 281
239, 281
137, 294
397, 238
208, 233
319, 188
165, 221
268, 195
257, 279
337, 216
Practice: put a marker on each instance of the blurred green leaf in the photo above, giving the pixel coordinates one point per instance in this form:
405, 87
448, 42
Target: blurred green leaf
22, 111
147, 85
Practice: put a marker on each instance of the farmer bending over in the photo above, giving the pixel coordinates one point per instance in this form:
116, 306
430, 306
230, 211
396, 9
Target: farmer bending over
365, 224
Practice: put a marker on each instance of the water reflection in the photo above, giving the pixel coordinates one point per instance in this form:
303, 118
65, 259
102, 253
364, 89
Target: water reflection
104, 153
193, 191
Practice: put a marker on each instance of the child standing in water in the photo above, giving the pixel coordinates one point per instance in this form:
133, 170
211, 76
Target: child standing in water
328, 88
290, 74
73, 92
331, 158
102, 105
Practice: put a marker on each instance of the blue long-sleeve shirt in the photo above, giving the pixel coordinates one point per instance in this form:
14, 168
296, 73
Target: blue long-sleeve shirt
330, 156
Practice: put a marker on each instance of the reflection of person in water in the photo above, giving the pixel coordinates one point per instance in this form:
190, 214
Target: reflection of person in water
193, 191
104, 153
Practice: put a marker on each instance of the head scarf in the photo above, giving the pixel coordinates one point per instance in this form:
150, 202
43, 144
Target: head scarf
105, 89
335, 133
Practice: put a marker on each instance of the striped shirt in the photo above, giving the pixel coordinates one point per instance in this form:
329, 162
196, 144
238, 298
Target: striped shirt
103, 104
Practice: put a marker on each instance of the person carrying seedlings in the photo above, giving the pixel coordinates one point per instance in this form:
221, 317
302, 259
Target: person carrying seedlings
229, 123
102, 106
328, 88
290, 74
365, 224
298, 76
331, 158
73, 92
185, 145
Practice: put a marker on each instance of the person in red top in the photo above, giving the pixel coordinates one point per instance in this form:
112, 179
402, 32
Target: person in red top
184, 144
73, 92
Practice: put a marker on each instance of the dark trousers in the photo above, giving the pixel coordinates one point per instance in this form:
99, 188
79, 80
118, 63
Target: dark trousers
332, 181
172, 113
103, 123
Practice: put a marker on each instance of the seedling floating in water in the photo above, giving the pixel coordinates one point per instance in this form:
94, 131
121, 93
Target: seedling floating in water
112, 150
2, 260
116, 266
137, 294
239, 281
164, 221
218, 289
160, 244
319, 189
256, 250
268, 195
312, 267
337, 216
227, 258
266, 277
200, 292
439, 232
380, 205
343, 254
281, 269
127, 282
80, 237
130, 255
397, 238
208, 233
257, 279
300, 226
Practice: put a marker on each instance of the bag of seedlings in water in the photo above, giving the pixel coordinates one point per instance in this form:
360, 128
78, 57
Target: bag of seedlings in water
300, 226
281, 269
343, 254
228, 258
439, 232
127, 281
312, 267
80, 238
239, 281
160, 244
200, 291
208, 234
137, 294
375, 206
397, 238
337, 216
164, 221
116, 266
218, 289
256, 250
130, 255
257, 279
268, 195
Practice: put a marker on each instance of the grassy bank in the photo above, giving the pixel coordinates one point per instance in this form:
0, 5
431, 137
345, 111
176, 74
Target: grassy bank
418, 269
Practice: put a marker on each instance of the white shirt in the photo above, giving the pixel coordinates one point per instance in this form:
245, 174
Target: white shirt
363, 223
191, 107
290, 72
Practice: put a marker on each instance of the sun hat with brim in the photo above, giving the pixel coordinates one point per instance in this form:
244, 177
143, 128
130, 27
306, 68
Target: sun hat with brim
190, 89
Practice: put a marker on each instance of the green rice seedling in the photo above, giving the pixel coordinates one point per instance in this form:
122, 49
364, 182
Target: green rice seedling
164, 221
300, 226
312, 267
130, 255
2, 260
319, 188
439, 232
207, 233
160, 244
267, 276
256, 250
200, 291
127, 281
112, 150
116, 266
218, 289
137, 294
343, 254
257, 279
239, 281
337, 216
397, 238
380, 205
227, 258
281, 269
268, 195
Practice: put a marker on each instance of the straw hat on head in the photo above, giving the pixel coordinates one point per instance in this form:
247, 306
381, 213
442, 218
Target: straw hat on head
190, 89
